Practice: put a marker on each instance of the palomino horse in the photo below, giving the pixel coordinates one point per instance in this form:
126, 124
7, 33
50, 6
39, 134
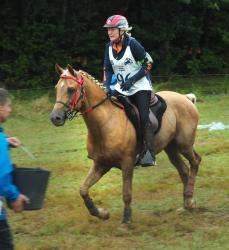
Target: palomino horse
112, 140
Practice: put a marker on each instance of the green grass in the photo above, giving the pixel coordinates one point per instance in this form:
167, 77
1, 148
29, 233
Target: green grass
64, 222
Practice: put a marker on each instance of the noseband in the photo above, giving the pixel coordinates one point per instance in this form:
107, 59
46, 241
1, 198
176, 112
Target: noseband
72, 112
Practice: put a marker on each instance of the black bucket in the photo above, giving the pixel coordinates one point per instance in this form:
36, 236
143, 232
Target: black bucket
33, 183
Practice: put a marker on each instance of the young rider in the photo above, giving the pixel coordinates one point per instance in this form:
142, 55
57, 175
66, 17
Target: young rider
127, 59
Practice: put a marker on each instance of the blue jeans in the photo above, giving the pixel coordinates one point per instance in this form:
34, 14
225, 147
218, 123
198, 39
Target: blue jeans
6, 239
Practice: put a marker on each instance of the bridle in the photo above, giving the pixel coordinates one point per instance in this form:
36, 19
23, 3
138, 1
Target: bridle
71, 110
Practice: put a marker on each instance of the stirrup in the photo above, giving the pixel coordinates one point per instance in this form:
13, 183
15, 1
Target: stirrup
146, 160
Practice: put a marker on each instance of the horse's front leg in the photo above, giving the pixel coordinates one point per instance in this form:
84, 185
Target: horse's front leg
127, 176
94, 175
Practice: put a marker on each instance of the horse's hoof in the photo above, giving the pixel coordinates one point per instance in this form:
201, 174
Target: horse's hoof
190, 204
124, 228
180, 210
103, 214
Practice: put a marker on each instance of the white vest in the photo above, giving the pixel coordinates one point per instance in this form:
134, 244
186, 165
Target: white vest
124, 69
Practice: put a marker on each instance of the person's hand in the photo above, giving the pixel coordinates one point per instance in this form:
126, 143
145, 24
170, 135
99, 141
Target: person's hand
126, 85
14, 142
18, 204
110, 92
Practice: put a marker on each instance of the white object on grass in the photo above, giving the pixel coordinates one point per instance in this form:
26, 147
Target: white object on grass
214, 126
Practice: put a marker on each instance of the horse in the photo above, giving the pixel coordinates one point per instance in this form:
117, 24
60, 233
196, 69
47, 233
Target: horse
112, 139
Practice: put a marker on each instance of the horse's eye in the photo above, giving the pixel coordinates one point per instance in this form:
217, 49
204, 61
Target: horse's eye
71, 91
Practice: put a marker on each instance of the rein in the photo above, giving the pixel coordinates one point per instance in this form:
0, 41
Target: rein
72, 112
95, 106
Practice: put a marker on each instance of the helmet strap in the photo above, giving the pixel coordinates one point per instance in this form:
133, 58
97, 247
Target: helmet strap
120, 36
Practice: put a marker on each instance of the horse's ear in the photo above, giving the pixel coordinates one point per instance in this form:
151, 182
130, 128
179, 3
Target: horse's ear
59, 70
71, 70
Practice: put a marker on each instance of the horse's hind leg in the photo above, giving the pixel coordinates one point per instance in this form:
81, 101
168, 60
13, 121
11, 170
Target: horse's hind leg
194, 161
176, 159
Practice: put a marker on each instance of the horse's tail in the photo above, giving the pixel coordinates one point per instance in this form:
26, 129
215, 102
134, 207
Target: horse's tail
191, 97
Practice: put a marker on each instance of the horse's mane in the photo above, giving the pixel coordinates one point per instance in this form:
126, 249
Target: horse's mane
90, 77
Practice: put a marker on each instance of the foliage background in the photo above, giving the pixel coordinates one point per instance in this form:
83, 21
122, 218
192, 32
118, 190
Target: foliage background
183, 36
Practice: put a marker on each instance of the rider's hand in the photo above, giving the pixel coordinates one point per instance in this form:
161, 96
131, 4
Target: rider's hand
14, 142
18, 204
126, 85
110, 92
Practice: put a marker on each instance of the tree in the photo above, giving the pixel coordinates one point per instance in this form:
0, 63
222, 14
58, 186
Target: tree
183, 36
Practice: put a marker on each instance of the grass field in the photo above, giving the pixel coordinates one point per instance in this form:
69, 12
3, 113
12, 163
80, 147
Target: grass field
64, 222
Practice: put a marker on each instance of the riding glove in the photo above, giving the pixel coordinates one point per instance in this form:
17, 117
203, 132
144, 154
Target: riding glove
130, 81
127, 85
110, 92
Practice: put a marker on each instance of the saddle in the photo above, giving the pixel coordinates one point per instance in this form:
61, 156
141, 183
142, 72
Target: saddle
157, 107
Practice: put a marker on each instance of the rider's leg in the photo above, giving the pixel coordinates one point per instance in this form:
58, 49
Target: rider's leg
142, 100
148, 140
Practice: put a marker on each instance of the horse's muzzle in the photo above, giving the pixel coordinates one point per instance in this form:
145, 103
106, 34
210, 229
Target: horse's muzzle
58, 118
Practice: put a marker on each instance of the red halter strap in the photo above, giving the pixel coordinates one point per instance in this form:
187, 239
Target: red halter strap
77, 97
80, 81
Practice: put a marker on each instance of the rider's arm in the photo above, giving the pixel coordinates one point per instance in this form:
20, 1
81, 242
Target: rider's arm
107, 68
143, 58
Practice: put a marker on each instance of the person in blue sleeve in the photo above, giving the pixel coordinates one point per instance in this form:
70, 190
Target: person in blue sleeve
127, 59
7, 189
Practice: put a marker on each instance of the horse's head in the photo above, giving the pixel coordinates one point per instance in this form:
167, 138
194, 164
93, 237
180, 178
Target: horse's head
69, 95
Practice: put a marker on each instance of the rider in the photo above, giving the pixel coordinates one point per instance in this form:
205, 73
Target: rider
127, 59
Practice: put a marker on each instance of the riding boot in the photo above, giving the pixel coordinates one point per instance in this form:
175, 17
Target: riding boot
148, 158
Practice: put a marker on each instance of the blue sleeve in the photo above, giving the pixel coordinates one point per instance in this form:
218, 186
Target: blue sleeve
141, 73
7, 188
108, 70
137, 50
139, 54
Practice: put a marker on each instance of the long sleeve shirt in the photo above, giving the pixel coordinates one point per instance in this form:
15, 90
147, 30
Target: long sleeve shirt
138, 52
7, 189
